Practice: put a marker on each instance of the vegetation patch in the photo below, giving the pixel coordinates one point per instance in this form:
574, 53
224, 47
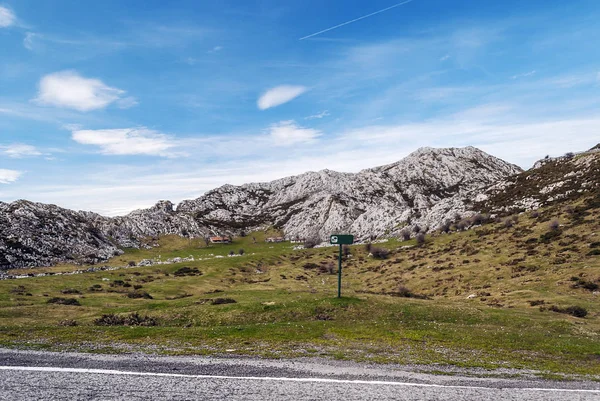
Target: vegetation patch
63, 301
133, 319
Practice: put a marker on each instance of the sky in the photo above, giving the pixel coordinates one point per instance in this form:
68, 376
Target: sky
112, 105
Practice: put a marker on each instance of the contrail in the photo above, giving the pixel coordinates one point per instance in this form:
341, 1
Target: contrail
354, 20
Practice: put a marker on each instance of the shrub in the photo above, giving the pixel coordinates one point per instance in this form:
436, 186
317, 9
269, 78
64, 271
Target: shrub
534, 214
416, 229
462, 225
405, 234
311, 242
70, 291
231, 253
537, 302
594, 252
576, 311
549, 236
478, 219
569, 155
241, 251
445, 228
420, 238
64, 301
346, 251
221, 301
404, 292
95, 287
139, 295
67, 322
554, 225
131, 263
134, 319
187, 271
368, 247
508, 222
380, 253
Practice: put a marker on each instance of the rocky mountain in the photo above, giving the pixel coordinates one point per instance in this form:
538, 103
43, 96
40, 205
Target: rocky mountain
427, 188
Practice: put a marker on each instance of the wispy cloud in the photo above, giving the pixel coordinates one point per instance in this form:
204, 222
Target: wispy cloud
19, 150
7, 17
70, 90
9, 176
127, 141
279, 95
286, 133
524, 75
354, 20
320, 115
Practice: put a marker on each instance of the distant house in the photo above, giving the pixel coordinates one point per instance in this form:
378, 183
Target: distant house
220, 240
275, 239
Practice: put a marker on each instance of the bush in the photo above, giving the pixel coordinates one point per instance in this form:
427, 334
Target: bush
368, 247
187, 271
549, 236
346, 251
131, 263
64, 301
67, 323
478, 219
534, 214
231, 253
311, 242
576, 311
445, 228
241, 251
380, 253
594, 252
404, 292
139, 295
554, 225
405, 234
420, 238
70, 291
134, 319
508, 222
221, 301
537, 302
417, 229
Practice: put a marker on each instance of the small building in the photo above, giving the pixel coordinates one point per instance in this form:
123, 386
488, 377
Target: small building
220, 240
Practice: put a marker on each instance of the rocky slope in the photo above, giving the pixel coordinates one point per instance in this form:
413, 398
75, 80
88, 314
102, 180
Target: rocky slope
426, 188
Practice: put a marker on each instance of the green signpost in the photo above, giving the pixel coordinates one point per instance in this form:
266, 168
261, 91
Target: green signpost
340, 239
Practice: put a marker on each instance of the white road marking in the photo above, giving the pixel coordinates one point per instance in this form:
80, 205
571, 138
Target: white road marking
283, 379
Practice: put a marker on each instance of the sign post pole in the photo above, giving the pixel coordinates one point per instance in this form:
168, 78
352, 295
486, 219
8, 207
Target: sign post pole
340, 240
340, 273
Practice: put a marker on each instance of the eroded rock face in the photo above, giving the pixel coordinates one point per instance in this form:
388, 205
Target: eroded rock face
426, 188
35, 234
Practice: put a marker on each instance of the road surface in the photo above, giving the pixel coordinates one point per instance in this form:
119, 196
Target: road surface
33, 375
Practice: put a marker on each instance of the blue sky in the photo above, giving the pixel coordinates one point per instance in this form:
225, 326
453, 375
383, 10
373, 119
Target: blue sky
110, 106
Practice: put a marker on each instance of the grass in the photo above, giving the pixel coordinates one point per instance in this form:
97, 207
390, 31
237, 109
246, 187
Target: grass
476, 311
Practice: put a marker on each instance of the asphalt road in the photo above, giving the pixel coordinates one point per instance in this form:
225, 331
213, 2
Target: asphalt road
29, 375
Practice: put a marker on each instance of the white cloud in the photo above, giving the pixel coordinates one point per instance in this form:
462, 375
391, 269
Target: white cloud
287, 133
7, 17
28, 40
19, 150
524, 75
9, 176
279, 95
320, 115
127, 141
70, 90
127, 102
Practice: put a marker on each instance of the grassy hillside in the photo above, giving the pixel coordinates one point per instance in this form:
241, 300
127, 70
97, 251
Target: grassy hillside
511, 292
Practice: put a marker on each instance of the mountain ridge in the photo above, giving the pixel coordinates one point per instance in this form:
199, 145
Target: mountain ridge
427, 188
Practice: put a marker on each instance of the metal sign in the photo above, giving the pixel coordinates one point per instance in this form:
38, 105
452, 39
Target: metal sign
341, 239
